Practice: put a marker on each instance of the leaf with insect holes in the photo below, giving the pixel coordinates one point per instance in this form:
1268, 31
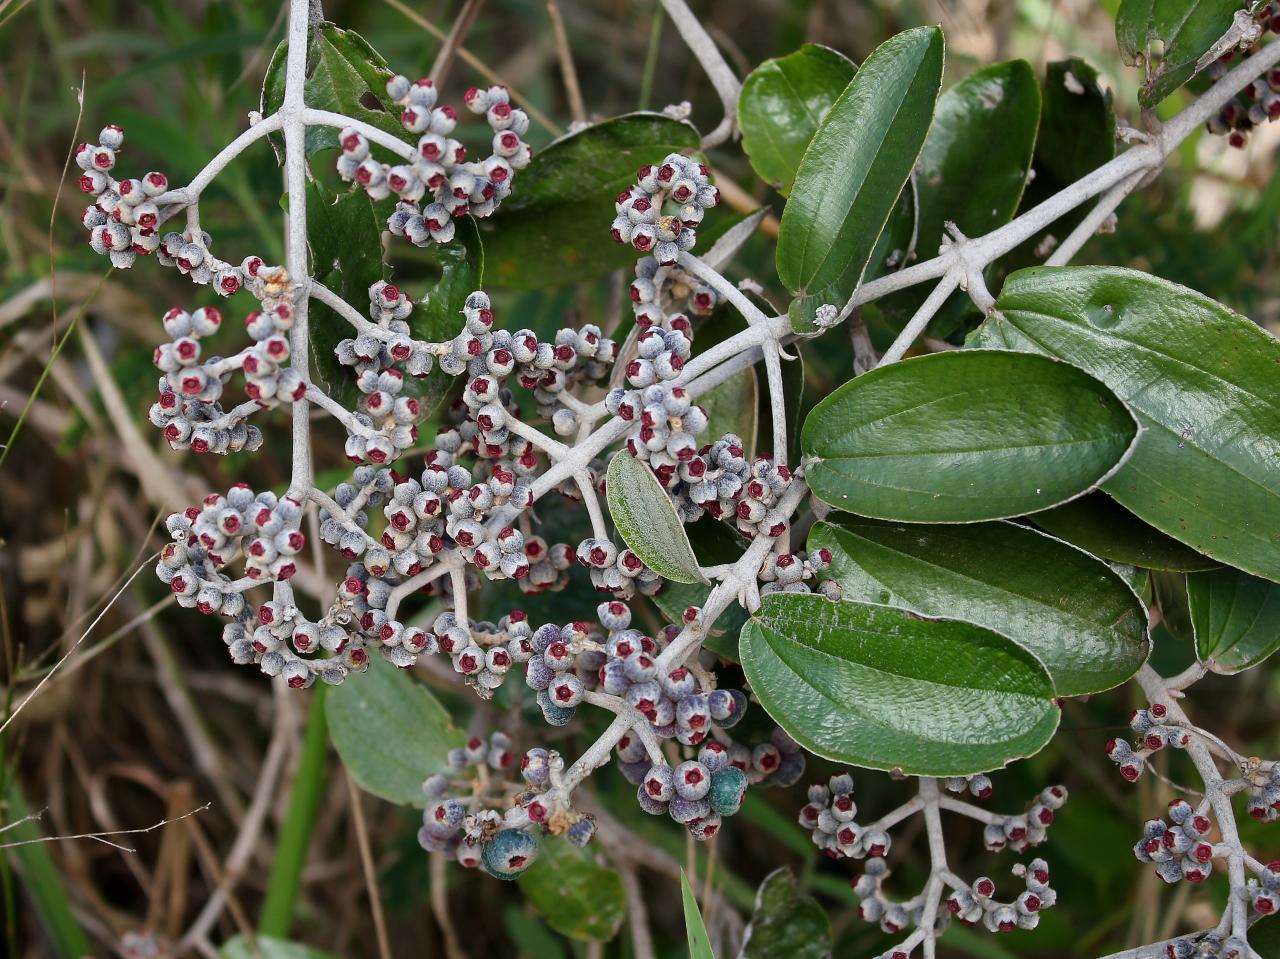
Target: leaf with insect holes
344, 75
956, 438
884, 688
647, 522
1167, 38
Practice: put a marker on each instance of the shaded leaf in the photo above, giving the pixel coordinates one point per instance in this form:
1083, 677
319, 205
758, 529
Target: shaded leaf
1073, 613
1202, 381
786, 922
1170, 593
883, 688
952, 437
545, 234
1166, 38
1098, 524
781, 105
344, 75
851, 174
579, 898
715, 544
734, 407
1235, 617
390, 732
647, 521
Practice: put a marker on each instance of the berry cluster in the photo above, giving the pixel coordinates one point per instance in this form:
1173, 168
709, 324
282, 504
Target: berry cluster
1256, 104
830, 815
1154, 734
1179, 848
641, 220
187, 410
439, 174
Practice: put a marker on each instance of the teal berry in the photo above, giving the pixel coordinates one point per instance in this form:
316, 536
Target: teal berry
552, 713
509, 853
728, 787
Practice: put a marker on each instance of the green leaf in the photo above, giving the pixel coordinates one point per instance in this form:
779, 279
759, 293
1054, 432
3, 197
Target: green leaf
345, 236
974, 165
1077, 123
546, 234
963, 436
715, 544
733, 407
1073, 613
268, 947
1235, 617
1170, 593
699, 941
781, 105
390, 732
886, 689
1099, 525
647, 522
579, 898
1202, 381
786, 922
1166, 38
344, 75
851, 174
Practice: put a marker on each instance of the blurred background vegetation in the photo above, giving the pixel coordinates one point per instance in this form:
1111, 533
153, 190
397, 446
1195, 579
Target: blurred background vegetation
148, 719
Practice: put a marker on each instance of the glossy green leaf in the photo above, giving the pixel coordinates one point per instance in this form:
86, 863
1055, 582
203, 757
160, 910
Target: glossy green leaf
344, 75
1169, 590
647, 521
884, 688
972, 170
715, 544
580, 899
390, 732
1072, 612
781, 104
1202, 381
786, 922
699, 941
1235, 616
268, 947
851, 174
542, 235
1166, 39
1099, 525
344, 232
955, 437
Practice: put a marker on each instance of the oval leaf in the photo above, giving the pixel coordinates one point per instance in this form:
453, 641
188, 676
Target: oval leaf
786, 922
1072, 612
390, 732
1235, 617
963, 436
850, 177
1202, 381
647, 522
880, 687
579, 898
781, 104
1101, 526
539, 237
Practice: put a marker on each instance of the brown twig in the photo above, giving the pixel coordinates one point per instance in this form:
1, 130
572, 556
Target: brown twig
567, 69
449, 49
370, 873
